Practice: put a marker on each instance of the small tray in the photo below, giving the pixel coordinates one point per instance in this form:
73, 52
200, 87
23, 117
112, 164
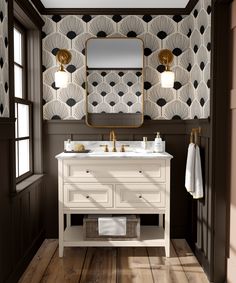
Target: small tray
82, 151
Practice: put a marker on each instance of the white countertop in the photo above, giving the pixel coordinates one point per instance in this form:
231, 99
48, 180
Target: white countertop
96, 152
113, 155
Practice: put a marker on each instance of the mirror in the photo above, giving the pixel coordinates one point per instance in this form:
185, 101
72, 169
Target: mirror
114, 79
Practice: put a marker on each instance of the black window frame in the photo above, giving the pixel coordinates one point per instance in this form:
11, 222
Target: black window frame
24, 101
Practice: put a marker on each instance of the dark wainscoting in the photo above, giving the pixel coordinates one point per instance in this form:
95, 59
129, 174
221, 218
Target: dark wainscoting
27, 227
186, 213
21, 214
7, 132
203, 224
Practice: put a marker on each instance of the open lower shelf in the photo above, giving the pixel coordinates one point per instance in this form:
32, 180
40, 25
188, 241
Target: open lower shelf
151, 236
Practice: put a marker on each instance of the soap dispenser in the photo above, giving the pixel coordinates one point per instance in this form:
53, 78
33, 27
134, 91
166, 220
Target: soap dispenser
158, 143
68, 146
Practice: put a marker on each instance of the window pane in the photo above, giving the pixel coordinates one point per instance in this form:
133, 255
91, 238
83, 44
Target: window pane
18, 81
16, 116
23, 120
17, 169
17, 47
24, 163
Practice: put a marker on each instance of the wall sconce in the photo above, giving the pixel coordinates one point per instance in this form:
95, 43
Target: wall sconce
167, 77
63, 56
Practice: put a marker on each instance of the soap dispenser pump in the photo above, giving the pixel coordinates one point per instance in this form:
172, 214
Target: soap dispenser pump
158, 143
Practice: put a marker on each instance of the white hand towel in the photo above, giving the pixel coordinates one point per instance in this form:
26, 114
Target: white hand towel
190, 168
198, 184
112, 226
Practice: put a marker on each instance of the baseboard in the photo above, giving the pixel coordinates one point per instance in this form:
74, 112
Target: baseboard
204, 263
25, 260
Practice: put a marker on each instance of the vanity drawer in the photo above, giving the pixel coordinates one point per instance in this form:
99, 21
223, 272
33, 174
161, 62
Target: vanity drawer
88, 195
140, 195
146, 172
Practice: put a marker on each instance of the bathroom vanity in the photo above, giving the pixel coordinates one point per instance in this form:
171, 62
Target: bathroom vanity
114, 183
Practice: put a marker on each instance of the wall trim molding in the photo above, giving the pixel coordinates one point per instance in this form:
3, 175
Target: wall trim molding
39, 6
29, 10
52, 127
110, 11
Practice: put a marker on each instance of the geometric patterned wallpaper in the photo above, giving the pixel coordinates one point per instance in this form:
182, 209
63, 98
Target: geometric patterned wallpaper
116, 91
4, 95
187, 36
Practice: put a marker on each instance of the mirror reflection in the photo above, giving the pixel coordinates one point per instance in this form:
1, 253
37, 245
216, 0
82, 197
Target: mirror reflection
114, 82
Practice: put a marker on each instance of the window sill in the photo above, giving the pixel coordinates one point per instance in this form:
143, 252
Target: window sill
28, 182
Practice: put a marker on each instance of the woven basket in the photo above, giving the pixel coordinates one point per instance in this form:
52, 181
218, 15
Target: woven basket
90, 229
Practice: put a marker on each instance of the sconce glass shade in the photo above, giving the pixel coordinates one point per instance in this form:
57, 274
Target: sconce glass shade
61, 79
167, 79
63, 56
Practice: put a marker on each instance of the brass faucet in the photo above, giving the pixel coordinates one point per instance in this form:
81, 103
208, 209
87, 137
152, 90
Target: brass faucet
113, 139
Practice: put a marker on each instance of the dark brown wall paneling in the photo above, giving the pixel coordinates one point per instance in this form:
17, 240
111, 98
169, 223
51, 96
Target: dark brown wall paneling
122, 11
202, 217
27, 227
213, 209
220, 129
7, 132
176, 134
21, 214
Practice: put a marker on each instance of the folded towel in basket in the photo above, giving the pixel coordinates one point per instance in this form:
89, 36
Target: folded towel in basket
112, 226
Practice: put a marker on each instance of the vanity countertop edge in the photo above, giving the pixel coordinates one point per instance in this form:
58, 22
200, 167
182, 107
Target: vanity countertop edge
125, 155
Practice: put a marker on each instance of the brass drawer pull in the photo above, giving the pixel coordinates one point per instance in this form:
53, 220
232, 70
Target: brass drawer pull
87, 171
87, 196
140, 196
140, 171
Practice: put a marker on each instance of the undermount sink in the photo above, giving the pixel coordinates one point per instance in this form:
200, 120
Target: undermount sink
101, 153
117, 154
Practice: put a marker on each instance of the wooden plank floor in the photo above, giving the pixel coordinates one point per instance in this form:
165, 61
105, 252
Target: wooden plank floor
114, 265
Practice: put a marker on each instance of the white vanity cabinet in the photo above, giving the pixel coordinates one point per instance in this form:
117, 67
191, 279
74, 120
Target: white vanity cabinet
114, 185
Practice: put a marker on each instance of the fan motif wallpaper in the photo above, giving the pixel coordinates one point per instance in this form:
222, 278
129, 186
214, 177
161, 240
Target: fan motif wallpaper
117, 91
189, 38
4, 95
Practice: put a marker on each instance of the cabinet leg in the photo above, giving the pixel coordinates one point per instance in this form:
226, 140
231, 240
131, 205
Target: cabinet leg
61, 232
61, 250
167, 248
167, 235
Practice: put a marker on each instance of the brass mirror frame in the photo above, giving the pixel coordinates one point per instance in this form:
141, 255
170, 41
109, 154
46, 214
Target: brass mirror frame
125, 115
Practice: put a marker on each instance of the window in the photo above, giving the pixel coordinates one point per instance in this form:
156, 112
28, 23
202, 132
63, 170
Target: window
23, 107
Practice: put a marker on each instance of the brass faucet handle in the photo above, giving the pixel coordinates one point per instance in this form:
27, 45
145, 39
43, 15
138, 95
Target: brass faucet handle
123, 146
105, 147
